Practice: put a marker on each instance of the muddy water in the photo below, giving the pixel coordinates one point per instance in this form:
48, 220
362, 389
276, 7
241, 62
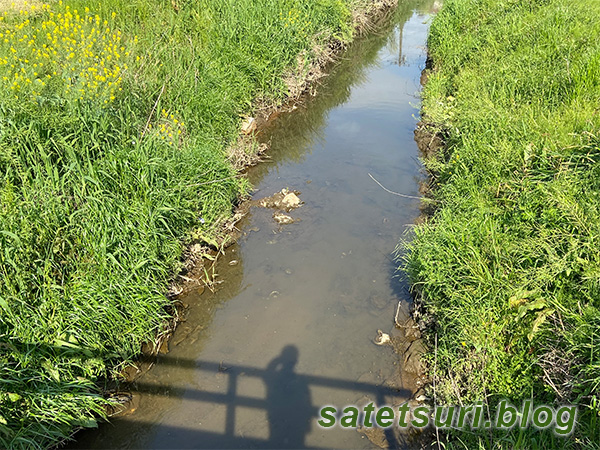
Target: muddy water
290, 326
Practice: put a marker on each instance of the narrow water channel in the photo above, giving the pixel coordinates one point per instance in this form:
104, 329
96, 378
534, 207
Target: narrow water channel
290, 327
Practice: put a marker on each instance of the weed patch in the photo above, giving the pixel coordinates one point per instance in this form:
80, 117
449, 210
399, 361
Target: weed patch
508, 265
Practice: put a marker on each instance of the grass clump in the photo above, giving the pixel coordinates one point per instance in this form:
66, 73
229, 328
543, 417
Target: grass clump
508, 266
114, 120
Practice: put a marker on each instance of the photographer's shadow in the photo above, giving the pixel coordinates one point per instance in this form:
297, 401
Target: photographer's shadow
289, 407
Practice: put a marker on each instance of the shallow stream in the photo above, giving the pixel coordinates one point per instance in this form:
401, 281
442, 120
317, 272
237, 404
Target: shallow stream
290, 327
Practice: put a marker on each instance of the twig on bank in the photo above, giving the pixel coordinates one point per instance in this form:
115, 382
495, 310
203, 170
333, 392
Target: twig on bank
456, 389
397, 314
153, 109
487, 405
392, 192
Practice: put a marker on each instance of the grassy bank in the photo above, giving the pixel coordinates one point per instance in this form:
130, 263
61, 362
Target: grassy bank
508, 266
114, 122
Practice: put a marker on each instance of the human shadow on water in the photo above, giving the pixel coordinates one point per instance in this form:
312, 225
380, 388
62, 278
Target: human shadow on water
289, 406
287, 403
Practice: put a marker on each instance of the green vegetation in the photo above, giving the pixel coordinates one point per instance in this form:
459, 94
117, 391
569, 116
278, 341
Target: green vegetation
508, 266
115, 117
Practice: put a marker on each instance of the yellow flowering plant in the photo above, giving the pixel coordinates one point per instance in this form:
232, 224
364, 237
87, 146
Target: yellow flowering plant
297, 22
169, 128
56, 52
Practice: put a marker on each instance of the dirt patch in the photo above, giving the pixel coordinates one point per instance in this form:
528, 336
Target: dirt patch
200, 257
366, 19
431, 141
405, 340
245, 152
285, 200
426, 72
408, 345
429, 138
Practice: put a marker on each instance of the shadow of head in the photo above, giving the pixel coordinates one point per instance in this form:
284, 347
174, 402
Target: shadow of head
287, 360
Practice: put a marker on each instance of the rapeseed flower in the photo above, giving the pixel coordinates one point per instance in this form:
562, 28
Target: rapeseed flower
168, 128
72, 54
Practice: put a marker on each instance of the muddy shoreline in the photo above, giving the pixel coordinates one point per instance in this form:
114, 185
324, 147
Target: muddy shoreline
430, 138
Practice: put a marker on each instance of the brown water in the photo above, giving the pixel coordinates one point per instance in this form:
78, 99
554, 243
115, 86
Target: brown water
290, 326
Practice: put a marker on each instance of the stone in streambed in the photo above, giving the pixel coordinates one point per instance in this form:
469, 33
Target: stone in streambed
282, 219
290, 201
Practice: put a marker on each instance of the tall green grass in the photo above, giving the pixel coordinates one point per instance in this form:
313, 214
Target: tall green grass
102, 184
508, 266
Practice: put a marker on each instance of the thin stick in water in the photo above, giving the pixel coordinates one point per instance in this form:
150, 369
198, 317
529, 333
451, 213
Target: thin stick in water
392, 192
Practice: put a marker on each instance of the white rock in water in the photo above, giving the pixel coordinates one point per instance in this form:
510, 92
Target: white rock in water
291, 200
283, 218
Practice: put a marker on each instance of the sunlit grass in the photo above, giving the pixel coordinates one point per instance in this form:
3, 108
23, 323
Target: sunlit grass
508, 266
